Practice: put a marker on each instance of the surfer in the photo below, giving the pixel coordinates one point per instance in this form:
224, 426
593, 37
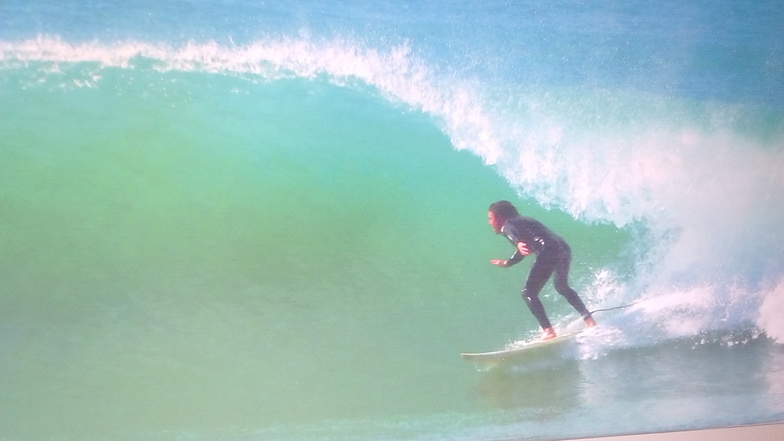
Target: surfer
553, 256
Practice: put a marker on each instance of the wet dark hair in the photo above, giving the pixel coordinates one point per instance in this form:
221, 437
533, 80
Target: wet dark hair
504, 209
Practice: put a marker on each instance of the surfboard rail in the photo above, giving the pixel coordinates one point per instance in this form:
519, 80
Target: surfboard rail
520, 353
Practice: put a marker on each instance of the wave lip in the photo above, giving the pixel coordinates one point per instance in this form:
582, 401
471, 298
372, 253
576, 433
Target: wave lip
708, 194
394, 73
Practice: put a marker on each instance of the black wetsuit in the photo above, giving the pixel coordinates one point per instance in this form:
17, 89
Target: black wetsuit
553, 256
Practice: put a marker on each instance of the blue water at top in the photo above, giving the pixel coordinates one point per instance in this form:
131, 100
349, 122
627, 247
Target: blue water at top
144, 129
726, 50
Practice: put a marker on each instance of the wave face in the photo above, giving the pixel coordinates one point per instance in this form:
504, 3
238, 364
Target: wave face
233, 219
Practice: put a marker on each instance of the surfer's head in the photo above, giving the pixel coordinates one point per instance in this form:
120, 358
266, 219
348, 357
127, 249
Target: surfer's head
499, 213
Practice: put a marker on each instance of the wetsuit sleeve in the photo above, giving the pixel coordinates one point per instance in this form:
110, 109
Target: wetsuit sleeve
513, 236
516, 258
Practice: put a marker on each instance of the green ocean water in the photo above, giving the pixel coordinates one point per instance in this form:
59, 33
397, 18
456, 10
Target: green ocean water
227, 256
286, 239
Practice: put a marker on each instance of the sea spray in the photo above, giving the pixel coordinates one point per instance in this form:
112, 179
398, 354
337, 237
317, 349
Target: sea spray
272, 218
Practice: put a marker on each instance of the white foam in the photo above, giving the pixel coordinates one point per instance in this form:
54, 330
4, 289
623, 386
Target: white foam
394, 72
770, 312
711, 197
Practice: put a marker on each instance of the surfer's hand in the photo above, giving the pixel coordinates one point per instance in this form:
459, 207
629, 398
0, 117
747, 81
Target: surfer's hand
522, 247
499, 262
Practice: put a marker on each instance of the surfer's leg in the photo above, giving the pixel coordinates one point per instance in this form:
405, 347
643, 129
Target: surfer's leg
561, 282
540, 272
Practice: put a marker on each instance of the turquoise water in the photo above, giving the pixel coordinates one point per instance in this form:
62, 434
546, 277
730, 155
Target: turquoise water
228, 220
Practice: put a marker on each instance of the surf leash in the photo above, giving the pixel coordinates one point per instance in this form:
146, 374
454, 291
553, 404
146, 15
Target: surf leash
618, 307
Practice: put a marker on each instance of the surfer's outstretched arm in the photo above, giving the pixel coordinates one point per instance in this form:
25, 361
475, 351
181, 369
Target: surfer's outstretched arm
520, 252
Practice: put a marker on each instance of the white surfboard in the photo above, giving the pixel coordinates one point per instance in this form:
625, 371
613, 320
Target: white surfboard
519, 354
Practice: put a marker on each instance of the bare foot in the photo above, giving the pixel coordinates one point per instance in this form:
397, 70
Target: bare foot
548, 334
590, 322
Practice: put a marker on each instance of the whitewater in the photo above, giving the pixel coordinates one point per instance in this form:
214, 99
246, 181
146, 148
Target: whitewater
268, 222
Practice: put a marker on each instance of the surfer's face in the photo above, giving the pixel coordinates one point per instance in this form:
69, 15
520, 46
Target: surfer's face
494, 222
